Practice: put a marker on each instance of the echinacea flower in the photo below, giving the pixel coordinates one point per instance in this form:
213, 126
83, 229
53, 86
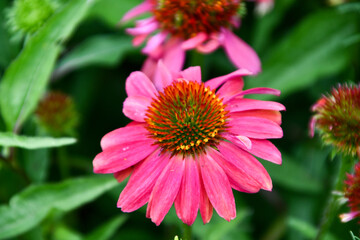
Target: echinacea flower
190, 145
179, 25
337, 117
352, 194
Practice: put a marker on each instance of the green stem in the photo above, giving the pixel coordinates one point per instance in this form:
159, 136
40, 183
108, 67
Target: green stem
63, 162
187, 232
331, 211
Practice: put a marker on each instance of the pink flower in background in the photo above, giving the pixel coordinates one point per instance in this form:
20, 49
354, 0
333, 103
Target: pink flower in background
190, 145
352, 193
179, 25
264, 6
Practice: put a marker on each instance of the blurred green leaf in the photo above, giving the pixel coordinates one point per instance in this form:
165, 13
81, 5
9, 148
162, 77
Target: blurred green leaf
9, 139
292, 176
104, 50
36, 164
29, 207
312, 50
111, 11
63, 232
305, 229
107, 230
25, 80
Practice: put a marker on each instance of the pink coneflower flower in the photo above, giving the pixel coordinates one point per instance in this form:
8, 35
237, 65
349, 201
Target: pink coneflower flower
179, 25
337, 117
190, 144
352, 193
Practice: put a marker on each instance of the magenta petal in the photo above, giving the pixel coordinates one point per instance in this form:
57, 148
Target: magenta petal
138, 84
154, 42
240, 53
135, 107
206, 209
216, 82
254, 127
166, 189
121, 175
139, 9
162, 76
149, 67
230, 89
124, 135
194, 41
142, 29
244, 104
141, 183
188, 199
208, 46
122, 156
246, 164
266, 150
192, 74
217, 187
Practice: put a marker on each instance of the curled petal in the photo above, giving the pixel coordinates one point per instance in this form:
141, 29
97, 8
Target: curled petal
194, 41
230, 89
138, 84
135, 107
121, 175
244, 104
216, 82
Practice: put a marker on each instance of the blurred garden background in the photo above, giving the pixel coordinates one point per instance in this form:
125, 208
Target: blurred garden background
47, 186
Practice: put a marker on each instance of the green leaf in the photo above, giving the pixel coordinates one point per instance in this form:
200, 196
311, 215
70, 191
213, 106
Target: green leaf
107, 230
106, 50
313, 50
63, 232
305, 229
9, 139
111, 11
292, 176
25, 80
28, 208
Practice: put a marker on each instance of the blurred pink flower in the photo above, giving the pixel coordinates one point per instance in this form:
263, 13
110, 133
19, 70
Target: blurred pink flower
179, 25
264, 6
352, 193
190, 144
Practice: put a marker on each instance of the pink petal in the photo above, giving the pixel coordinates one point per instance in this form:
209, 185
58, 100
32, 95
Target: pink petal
143, 28
122, 156
121, 175
166, 189
208, 46
244, 104
206, 209
139, 39
271, 115
217, 187
254, 127
240, 53
216, 82
261, 91
174, 55
230, 89
124, 135
138, 84
163, 77
141, 183
149, 67
346, 217
261, 148
154, 42
249, 167
192, 74
194, 41
239, 179
139, 9
188, 199
135, 107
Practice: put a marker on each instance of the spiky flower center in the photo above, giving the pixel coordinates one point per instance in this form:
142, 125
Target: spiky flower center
186, 18
186, 117
352, 189
338, 118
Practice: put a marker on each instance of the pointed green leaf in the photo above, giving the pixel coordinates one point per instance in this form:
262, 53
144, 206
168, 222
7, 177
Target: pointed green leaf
107, 230
9, 139
25, 80
28, 208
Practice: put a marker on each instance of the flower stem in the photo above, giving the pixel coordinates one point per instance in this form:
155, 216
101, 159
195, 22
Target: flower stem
187, 232
331, 211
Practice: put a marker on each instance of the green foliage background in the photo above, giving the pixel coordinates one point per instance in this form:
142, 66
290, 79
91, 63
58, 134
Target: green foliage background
306, 48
